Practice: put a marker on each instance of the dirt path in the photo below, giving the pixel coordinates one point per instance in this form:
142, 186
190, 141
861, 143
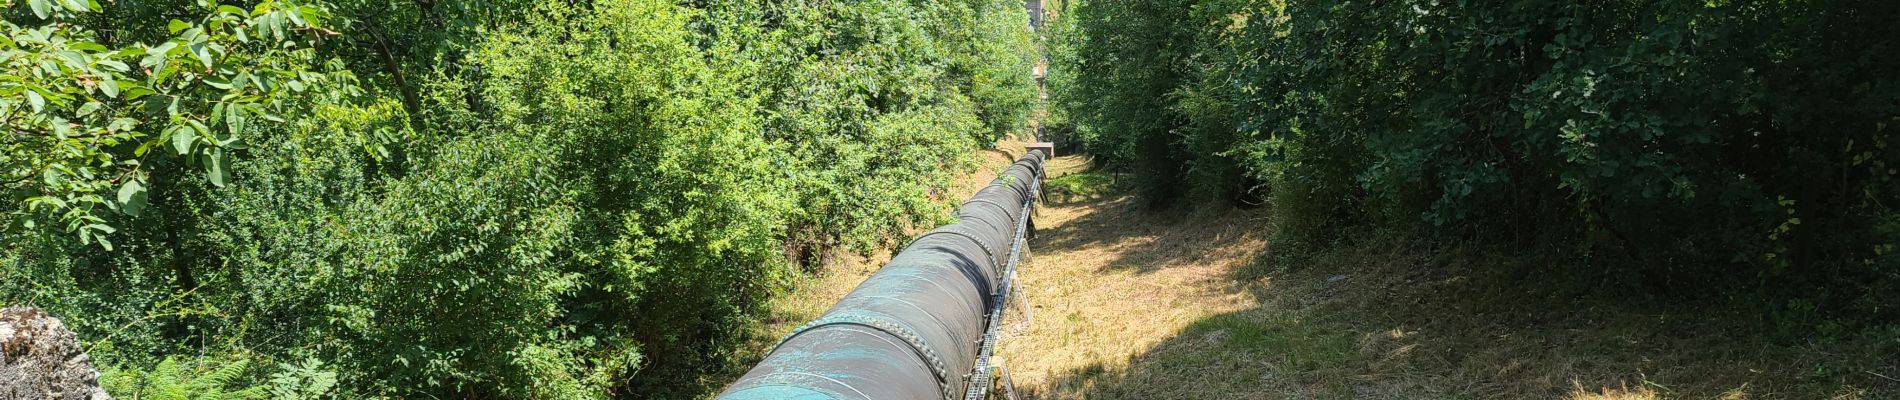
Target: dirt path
1123, 300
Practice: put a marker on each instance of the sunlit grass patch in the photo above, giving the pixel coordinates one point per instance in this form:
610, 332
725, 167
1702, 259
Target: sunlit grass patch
1245, 354
1080, 186
1300, 344
1623, 392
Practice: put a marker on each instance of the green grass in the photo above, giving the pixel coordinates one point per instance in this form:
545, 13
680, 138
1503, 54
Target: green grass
1080, 186
1304, 343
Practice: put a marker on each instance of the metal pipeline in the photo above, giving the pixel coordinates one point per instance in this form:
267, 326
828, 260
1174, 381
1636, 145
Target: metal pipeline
914, 329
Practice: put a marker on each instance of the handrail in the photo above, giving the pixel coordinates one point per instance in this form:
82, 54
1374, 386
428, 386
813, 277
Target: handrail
983, 373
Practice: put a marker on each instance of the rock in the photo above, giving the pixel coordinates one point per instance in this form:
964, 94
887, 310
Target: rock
41, 360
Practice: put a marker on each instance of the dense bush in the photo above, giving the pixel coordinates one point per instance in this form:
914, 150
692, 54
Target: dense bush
1724, 144
1143, 91
471, 199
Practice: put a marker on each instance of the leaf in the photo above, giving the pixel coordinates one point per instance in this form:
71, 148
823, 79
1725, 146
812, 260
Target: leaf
214, 163
41, 8
294, 17
115, 65
74, 60
75, 5
182, 139
62, 129
137, 91
132, 197
175, 26
121, 124
203, 51
234, 118
52, 177
128, 52
156, 58
34, 99
89, 46
276, 23
110, 87
157, 63
200, 126
161, 49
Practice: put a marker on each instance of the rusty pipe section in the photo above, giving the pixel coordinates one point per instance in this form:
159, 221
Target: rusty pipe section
913, 329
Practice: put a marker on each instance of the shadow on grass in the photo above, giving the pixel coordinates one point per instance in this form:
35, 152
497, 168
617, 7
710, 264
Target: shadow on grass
1385, 321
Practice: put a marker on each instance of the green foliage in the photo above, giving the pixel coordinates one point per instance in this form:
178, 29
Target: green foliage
1145, 85
177, 378
1060, 46
204, 378
308, 380
842, 85
474, 199
1739, 144
85, 112
995, 50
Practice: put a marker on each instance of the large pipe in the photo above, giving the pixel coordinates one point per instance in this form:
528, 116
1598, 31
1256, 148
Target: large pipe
912, 330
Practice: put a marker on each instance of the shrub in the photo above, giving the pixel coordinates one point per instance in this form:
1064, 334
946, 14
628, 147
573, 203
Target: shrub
470, 199
1733, 143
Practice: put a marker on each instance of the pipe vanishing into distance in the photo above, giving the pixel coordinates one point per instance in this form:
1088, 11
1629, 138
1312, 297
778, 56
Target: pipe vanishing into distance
917, 327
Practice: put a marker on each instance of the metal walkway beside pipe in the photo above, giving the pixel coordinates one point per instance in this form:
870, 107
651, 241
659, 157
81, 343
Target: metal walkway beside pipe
924, 326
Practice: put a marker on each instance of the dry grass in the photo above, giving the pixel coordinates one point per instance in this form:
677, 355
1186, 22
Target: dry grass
1130, 303
1136, 304
1619, 393
1109, 282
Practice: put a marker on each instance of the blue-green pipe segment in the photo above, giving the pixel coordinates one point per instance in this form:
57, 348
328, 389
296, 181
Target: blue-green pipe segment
916, 328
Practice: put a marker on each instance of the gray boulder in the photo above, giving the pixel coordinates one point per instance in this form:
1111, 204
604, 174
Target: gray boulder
41, 360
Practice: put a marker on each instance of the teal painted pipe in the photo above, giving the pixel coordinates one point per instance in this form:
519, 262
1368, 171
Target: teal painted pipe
911, 330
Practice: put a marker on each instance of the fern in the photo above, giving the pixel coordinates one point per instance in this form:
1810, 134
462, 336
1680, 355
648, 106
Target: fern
177, 378
305, 381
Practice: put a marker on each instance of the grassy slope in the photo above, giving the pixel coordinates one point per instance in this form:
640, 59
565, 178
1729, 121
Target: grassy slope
1131, 304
